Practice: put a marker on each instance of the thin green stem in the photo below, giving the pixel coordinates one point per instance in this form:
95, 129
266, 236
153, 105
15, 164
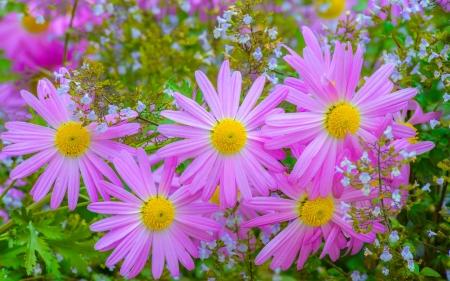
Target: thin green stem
67, 35
336, 267
61, 208
7, 189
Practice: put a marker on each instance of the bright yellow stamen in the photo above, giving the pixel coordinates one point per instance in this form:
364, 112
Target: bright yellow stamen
316, 212
229, 136
414, 139
72, 139
29, 23
329, 9
158, 213
342, 118
215, 198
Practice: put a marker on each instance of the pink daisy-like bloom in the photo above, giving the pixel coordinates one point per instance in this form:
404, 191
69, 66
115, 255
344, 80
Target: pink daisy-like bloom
227, 147
31, 45
338, 114
152, 220
310, 220
66, 146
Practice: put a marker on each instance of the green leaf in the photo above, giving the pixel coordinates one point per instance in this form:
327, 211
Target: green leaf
37, 244
388, 27
429, 272
50, 231
394, 222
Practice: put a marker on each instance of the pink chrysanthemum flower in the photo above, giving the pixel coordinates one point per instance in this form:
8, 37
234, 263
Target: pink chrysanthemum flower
12, 106
310, 220
152, 220
337, 114
67, 146
225, 142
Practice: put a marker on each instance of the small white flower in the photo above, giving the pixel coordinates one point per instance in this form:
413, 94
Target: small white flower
272, 64
140, 107
127, 112
406, 253
101, 128
431, 233
446, 97
393, 237
388, 132
367, 252
426, 187
376, 211
71, 106
364, 177
217, 32
135, 33
273, 33
385, 271
243, 39
247, 19
98, 10
86, 99
433, 123
366, 190
92, 116
345, 181
40, 19
112, 109
440, 181
228, 48
345, 206
395, 172
386, 256
365, 157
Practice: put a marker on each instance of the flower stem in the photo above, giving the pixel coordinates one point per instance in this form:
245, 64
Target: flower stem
67, 35
7, 189
336, 267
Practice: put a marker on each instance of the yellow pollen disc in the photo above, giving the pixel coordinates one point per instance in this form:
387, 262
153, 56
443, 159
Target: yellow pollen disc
215, 198
158, 213
229, 136
342, 118
72, 139
329, 9
316, 212
414, 139
29, 23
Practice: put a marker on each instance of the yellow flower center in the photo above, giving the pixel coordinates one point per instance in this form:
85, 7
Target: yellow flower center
229, 136
215, 197
158, 213
72, 139
414, 139
29, 23
316, 212
329, 9
342, 118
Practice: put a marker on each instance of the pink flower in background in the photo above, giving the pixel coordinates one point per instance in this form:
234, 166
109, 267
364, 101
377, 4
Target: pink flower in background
32, 43
12, 105
227, 147
152, 220
310, 220
338, 114
66, 146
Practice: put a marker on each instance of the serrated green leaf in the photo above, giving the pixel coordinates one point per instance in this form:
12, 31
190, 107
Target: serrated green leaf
429, 272
50, 231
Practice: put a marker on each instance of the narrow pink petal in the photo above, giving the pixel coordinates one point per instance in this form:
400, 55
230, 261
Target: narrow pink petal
273, 204
269, 103
235, 95
114, 208
149, 188
194, 232
307, 155
60, 188
114, 222
303, 100
140, 241
158, 254
271, 219
294, 119
50, 99
209, 93
184, 239
196, 165
257, 149
198, 208
241, 179
123, 248
115, 235
371, 89
48, 177
184, 146
182, 254
118, 131
104, 168
223, 86
185, 119
91, 185
402, 131
195, 110
73, 183
144, 254
198, 222
120, 193
228, 187
330, 240
181, 131
213, 178
32, 164
251, 98
28, 147
108, 149
40, 109
171, 254
167, 176
29, 127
